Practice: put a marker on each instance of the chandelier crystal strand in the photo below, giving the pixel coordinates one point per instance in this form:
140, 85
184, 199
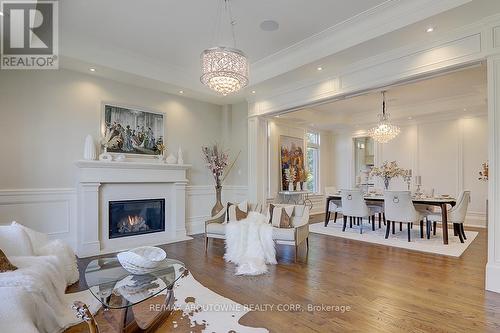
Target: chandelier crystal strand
384, 131
225, 69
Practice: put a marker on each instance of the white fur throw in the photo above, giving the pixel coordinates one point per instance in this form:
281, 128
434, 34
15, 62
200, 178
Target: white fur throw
33, 298
250, 245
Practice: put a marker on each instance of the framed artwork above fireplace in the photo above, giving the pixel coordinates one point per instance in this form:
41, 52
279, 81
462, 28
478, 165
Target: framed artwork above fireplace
132, 130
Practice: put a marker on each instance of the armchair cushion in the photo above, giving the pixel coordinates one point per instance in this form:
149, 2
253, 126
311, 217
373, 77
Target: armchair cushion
237, 211
216, 228
281, 216
284, 234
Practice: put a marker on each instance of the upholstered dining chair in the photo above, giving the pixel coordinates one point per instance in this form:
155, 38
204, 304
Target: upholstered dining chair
456, 215
333, 207
399, 207
354, 207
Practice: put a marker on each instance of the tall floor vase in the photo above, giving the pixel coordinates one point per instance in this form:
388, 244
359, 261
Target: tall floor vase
218, 203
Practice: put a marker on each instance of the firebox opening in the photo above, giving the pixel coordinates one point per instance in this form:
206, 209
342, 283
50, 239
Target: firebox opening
136, 217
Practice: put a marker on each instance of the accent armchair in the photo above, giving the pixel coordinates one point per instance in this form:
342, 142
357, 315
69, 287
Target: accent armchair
215, 227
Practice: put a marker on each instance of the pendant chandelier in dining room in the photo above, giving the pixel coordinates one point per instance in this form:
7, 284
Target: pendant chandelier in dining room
384, 131
224, 69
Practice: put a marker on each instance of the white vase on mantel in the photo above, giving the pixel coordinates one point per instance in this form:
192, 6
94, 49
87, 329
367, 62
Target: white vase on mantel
89, 151
180, 157
290, 186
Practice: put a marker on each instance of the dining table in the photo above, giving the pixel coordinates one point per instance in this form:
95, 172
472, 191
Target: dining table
439, 201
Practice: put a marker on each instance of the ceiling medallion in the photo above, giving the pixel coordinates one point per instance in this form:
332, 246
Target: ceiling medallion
384, 131
225, 69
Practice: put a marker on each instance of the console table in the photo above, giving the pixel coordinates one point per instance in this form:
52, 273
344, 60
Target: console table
296, 197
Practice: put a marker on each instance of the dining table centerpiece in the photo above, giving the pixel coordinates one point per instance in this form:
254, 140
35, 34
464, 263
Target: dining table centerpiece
217, 161
387, 171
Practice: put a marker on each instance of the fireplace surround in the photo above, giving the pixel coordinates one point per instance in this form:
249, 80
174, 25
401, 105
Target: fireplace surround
102, 183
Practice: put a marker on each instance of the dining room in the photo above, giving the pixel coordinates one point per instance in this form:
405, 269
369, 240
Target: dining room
404, 165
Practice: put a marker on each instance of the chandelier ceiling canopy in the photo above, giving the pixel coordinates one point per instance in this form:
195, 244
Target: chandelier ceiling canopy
224, 69
384, 131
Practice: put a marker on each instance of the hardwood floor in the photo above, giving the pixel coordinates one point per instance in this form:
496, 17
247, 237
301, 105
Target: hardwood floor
387, 289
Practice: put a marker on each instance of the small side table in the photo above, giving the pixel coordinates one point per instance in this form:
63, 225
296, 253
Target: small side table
296, 197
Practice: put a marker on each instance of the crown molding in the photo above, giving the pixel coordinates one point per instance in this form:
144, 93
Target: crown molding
384, 18
465, 45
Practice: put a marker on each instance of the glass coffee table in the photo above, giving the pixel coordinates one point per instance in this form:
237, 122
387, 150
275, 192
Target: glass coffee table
119, 290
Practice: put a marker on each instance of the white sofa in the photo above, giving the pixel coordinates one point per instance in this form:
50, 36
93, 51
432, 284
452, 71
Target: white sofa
215, 227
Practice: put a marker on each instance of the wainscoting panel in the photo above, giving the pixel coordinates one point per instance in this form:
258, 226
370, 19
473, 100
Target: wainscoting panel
201, 199
52, 211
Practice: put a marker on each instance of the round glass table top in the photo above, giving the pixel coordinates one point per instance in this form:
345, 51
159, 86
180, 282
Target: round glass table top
116, 288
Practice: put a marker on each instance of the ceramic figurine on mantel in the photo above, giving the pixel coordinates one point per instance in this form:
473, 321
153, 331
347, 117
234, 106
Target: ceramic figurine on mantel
105, 156
89, 151
216, 160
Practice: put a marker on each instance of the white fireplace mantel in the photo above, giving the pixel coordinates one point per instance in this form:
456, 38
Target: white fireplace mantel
100, 182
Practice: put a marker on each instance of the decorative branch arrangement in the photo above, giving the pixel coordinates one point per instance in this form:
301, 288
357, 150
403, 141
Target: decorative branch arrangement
217, 160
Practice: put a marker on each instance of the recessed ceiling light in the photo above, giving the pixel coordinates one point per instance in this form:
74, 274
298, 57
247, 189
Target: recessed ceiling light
181, 91
430, 29
277, 116
410, 118
253, 91
319, 68
269, 25
465, 109
92, 69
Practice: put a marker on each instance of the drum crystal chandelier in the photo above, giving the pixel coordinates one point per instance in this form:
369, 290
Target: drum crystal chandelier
224, 69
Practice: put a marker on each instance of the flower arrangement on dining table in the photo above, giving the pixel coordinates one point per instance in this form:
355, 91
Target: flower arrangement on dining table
387, 171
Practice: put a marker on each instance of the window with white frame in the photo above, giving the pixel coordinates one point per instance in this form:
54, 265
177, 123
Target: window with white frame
313, 142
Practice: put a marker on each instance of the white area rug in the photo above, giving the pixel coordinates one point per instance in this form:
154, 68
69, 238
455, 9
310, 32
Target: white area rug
200, 309
400, 238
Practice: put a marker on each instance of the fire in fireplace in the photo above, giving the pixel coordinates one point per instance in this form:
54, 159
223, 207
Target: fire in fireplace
135, 217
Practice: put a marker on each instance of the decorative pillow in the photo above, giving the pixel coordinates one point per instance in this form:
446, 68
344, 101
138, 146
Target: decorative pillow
38, 239
237, 212
14, 241
5, 265
281, 216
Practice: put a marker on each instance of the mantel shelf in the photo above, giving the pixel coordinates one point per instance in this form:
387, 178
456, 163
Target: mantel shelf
156, 165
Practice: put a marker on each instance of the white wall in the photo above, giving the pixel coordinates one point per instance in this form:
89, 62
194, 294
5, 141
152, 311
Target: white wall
236, 139
45, 118
276, 129
447, 154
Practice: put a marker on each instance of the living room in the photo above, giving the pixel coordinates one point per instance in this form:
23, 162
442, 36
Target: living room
222, 165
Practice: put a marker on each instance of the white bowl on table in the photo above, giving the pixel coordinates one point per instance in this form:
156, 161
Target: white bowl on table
142, 260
